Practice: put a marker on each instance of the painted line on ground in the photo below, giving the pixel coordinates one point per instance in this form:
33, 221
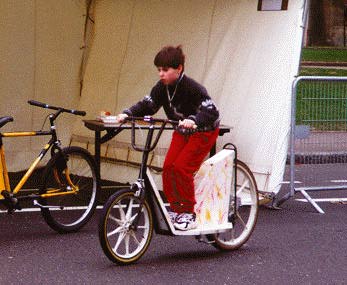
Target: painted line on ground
26, 210
324, 200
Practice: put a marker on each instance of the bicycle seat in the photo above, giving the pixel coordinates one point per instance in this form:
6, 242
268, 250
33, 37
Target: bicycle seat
5, 120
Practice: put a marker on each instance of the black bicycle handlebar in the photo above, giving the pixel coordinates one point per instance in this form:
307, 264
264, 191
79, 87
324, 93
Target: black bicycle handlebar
152, 120
61, 109
149, 146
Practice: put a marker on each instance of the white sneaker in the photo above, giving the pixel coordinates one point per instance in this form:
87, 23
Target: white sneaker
186, 221
173, 216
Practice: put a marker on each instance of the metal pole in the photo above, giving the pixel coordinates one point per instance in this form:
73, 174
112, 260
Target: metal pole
293, 109
344, 24
276, 203
293, 120
292, 135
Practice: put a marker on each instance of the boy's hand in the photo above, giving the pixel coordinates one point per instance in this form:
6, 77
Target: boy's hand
121, 118
187, 123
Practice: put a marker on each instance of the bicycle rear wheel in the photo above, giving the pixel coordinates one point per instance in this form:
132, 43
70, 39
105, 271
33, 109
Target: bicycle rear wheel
243, 211
69, 190
120, 240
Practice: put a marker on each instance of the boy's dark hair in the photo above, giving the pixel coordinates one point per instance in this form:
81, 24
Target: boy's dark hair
170, 56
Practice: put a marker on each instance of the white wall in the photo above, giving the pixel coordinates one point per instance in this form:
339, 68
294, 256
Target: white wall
40, 59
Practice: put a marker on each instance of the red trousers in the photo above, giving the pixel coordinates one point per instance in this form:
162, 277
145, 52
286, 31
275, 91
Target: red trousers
184, 157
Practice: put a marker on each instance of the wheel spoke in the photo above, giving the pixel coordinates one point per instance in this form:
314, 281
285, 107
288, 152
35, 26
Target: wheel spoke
132, 218
242, 221
242, 187
143, 227
116, 231
111, 217
132, 233
127, 242
130, 209
121, 211
119, 240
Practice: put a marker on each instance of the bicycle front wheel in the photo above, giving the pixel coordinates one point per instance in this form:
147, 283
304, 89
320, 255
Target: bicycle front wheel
121, 240
69, 190
243, 211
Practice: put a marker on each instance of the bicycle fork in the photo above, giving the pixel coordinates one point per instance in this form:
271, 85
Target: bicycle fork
139, 189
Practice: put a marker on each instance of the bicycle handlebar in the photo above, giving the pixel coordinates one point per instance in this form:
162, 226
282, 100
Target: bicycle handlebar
61, 109
149, 146
151, 120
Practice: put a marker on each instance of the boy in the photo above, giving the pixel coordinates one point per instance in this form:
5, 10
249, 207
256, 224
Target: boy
188, 102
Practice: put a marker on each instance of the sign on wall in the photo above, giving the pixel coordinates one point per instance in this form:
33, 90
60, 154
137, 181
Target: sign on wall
272, 5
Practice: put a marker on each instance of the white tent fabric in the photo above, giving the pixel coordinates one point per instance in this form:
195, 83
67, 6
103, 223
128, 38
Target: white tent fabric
40, 59
246, 58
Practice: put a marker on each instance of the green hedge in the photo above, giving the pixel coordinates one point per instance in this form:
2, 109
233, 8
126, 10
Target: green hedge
324, 54
323, 72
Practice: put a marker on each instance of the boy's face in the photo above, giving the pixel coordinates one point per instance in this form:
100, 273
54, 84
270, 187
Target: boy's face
169, 75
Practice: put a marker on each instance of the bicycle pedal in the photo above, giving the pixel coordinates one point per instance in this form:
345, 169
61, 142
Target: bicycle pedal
10, 202
10, 211
11, 208
17, 206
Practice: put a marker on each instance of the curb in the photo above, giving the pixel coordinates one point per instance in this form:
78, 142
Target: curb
324, 63
319, 158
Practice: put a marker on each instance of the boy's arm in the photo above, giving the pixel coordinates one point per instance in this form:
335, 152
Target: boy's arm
207, 114
149, 105
144, 107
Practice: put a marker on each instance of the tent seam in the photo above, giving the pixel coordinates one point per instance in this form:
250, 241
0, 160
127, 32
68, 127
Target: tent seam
35, 69
209, 39
125, 53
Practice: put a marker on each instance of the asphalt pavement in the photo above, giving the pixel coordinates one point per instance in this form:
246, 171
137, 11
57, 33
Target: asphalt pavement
294, 245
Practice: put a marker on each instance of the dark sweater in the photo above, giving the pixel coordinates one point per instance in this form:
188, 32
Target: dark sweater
189, 101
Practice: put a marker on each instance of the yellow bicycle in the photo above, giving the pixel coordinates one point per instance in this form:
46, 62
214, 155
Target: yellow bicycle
67, 194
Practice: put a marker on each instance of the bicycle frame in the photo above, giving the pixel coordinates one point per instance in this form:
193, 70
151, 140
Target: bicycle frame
53, 144
4, 179
161, 214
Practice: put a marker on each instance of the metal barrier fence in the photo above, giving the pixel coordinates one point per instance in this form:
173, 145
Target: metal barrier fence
318, 144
